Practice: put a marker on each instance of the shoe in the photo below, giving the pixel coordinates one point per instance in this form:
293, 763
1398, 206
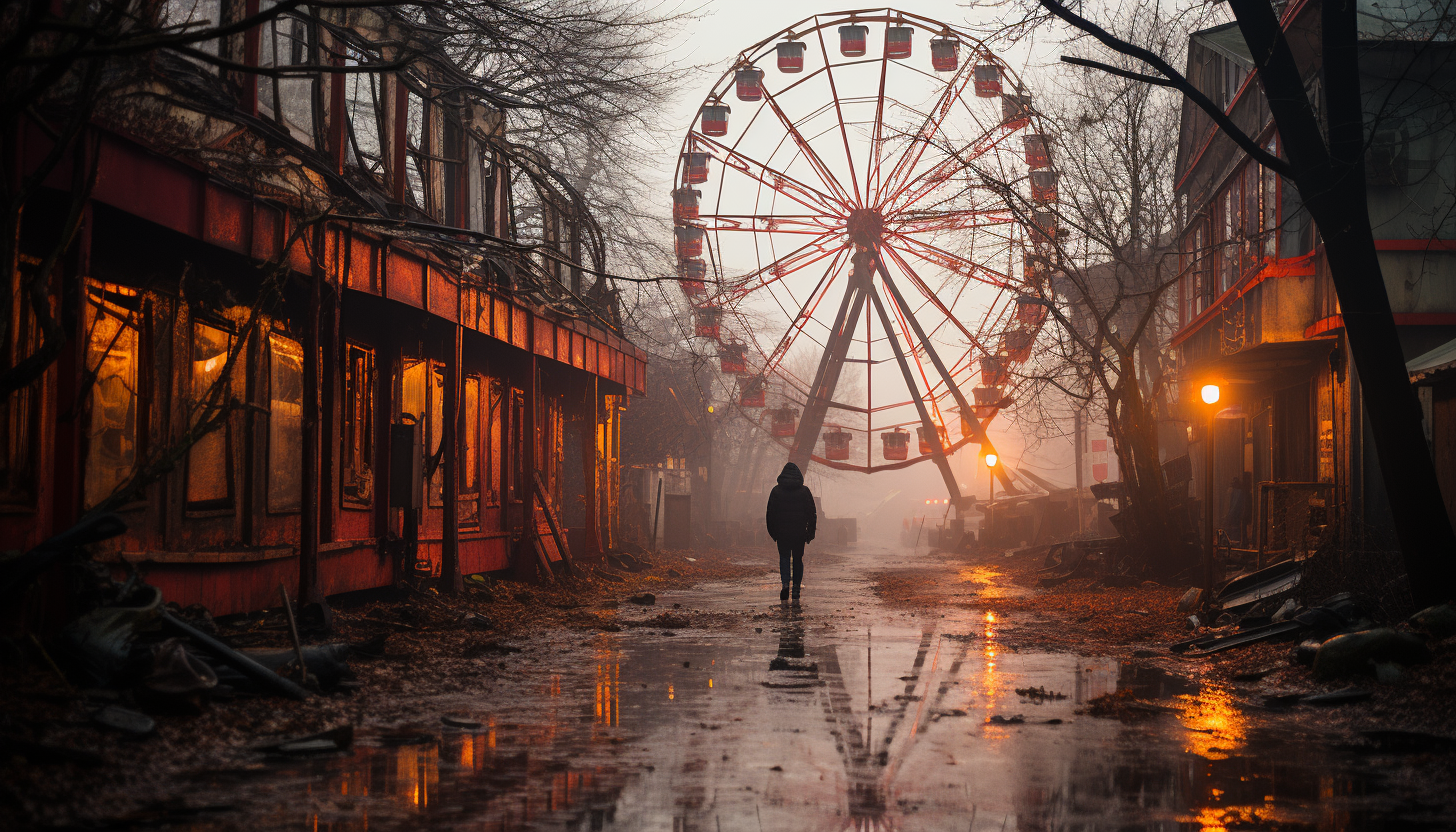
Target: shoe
795, 594
784, 593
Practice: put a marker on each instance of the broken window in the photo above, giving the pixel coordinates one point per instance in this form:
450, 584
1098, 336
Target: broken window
284, 42
470, 451
357, 457
193, 16
415, 147
209, 460
112, 363
285, 424
364, 94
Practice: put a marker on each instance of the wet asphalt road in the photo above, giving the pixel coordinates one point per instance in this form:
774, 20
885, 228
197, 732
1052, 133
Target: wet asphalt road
840, 714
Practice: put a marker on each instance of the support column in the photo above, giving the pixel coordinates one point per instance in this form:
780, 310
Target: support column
832, 362
926, 423
308, 519
591, 467
451, 581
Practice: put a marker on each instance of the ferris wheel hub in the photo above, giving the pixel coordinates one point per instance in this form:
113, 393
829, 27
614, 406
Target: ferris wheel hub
866, 227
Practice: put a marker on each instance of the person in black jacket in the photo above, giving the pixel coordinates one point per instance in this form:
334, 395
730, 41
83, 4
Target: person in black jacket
791, 521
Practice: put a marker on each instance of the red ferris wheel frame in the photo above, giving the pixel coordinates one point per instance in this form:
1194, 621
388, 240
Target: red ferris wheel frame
867, 226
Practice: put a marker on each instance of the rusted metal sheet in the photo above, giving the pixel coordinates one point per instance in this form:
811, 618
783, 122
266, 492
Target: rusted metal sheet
604, 361
151, 187
300, 253
500, 327
267, 232
404, 278
563, 345
578, 350
224, 588
484, 554
348, 570
589, 357
363, 264
444, 296
545, 340
227, 219
475, 309
518, 327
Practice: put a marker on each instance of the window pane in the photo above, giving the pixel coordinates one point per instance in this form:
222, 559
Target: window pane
358, 433
412, 390
470, 437
208, 477
285, 424
112, 354
436, 435
494, 420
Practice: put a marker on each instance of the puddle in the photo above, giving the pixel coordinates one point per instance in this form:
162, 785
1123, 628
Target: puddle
836, 721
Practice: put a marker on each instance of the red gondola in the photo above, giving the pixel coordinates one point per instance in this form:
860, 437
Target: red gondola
695, 167
925, 446
751, 392
852, 40
685, 205
1044, 186
1037, 149
1031, 312
1015, 110
707, 321
733, 360
715, 120
748, 83
791, 56
897, 42
988, 80
1017, 343
836, 445
988, 401
993, 371
783, 422
896, 444
945, 54
1043, 226
689, 241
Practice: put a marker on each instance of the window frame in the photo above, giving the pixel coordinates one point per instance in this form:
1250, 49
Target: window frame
357, 444
220, 505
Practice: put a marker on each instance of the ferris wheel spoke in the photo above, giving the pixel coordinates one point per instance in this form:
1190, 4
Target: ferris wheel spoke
839, 116
813, 224
810, 155
808, 254
776, 180
950, 262
917, 223
929, 181
877, 138
911, 155
925, 290
806, 312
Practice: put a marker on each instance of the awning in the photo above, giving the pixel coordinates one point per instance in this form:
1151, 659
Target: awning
1427, 365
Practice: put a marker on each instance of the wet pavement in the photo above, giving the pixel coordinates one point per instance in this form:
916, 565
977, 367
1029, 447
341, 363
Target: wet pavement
840, 714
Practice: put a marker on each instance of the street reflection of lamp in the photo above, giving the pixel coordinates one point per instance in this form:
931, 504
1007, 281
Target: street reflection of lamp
991, 460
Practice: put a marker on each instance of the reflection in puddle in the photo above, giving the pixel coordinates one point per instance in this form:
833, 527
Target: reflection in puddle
811, 725
1215, 724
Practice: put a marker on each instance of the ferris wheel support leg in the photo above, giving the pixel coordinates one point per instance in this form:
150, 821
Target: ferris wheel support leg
821, 394
967, 413
926, 423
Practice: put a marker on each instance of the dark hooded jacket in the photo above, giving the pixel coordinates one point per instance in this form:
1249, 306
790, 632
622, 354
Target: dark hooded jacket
791, 517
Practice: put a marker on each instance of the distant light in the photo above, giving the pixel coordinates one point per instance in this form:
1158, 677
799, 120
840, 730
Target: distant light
710, 408
1210, 393
991, 460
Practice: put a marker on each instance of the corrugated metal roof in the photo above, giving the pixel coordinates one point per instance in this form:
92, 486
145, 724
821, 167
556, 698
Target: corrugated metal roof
1439, 359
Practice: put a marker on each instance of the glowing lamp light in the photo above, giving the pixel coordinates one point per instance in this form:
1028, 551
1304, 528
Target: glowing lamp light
710, 408
991, 460
1209, 393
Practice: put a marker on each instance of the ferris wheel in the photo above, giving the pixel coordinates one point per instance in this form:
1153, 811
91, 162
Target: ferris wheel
866, 235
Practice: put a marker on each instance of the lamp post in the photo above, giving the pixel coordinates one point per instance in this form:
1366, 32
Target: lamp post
1210, 394
991, 460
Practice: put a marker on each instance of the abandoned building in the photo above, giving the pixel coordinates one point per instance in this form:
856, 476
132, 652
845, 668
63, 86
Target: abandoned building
332, 271
1258, 315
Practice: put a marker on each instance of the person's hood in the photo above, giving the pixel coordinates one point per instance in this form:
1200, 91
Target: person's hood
791, 476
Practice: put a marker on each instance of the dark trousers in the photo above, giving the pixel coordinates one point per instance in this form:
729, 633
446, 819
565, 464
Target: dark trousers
791, 553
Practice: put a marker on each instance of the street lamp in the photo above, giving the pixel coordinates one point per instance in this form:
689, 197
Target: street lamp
991, 460
1210, 393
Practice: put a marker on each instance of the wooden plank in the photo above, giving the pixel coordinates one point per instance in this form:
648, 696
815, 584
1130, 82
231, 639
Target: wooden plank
541, 557
550, 513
